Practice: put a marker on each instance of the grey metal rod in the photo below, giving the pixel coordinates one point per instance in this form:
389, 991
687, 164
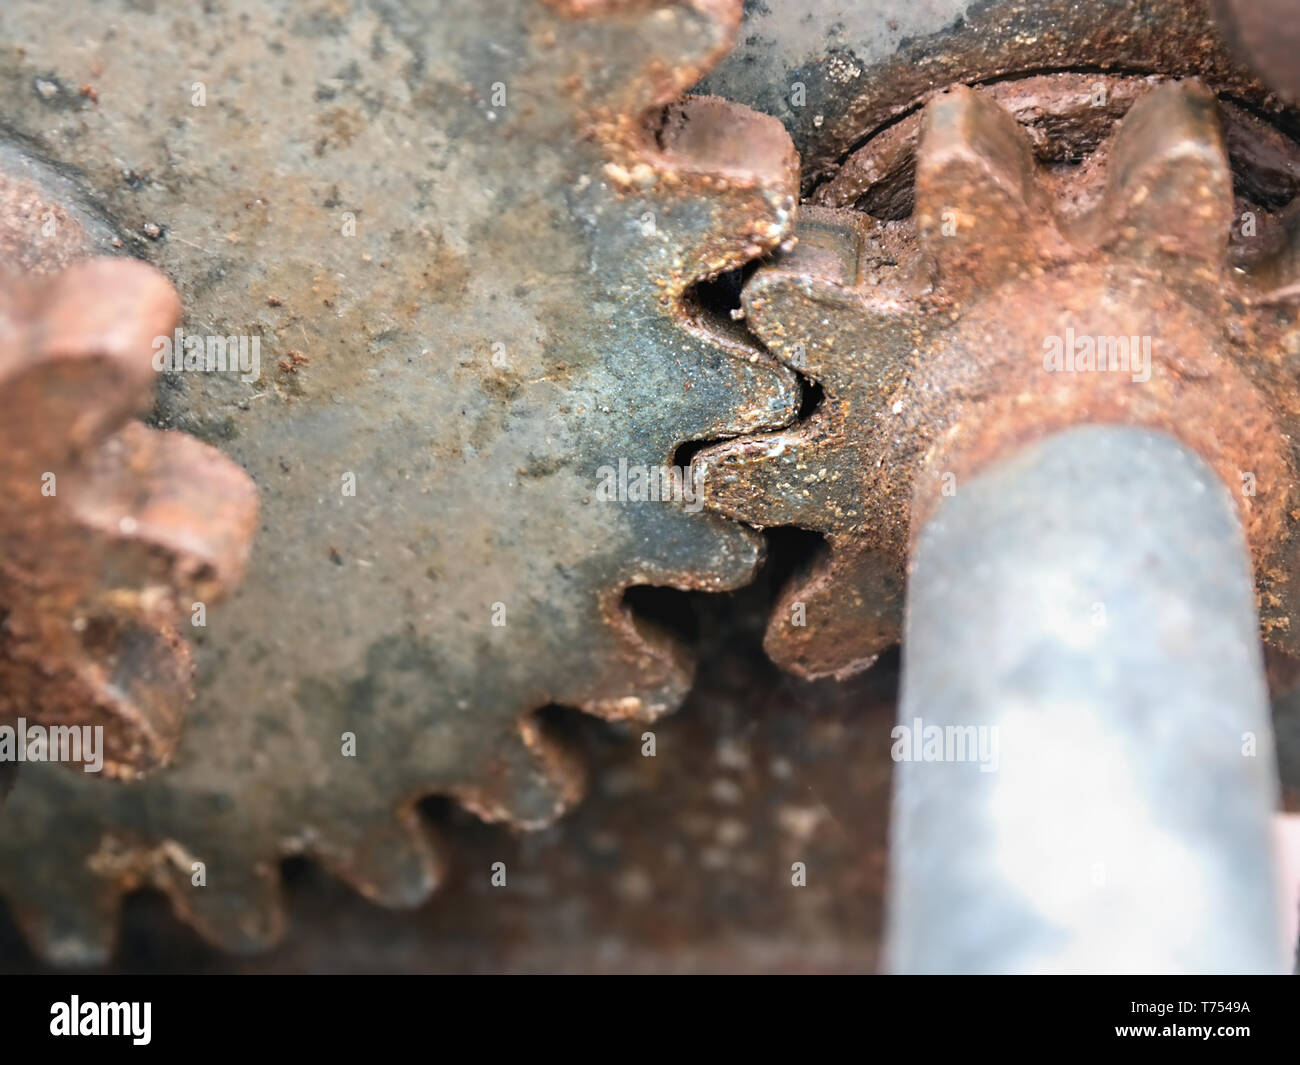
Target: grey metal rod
1081, 630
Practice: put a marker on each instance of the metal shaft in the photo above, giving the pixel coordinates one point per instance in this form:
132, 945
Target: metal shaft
1085, 773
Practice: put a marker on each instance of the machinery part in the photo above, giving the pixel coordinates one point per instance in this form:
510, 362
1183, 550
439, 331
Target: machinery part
386, 112
929, 333
1267, 34
845, 71
667, 866
46, 222
109, 529
439, 161
1083, 613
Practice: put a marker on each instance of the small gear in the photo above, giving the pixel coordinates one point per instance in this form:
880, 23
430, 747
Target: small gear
931, 334
109, 529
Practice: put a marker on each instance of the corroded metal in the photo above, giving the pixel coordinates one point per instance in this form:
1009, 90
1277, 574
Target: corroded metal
109, 530
844, 71
553, 231
677, 863
928, 336
465, 235
1267, 33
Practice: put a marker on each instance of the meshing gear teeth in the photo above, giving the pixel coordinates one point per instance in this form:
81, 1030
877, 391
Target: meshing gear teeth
506, 316
930, 338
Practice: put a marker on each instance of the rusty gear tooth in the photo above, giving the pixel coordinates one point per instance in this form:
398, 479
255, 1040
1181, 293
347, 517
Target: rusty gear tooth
979, 208
653, 667
710, 185
822, 271
531, 780
737, 168
837, 618
640, 55
390, 859
1170, 184
788, 478
837, 307
823, 308
75, 353
191, 511
130, 676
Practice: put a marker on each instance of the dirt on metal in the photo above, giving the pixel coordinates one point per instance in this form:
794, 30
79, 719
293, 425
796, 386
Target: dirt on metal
931, 334
463, 235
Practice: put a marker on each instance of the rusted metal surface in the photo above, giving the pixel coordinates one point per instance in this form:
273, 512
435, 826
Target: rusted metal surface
1066, 117
681, 862
928, 336
863, 66
1267, 33
558, 232
110, 530
462, 233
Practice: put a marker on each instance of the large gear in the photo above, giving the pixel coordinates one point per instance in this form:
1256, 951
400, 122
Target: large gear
435, 561
927, 334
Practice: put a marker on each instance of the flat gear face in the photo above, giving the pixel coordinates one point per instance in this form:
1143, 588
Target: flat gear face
465, 258
928, 335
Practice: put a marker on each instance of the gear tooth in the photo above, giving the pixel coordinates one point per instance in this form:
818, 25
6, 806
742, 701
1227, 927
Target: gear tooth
822, 271
787, 478
240, 907
136, 516
638, 56
528, 783
390, 858
650, 668
852, 610
127, 675
979, 208
827, 247
1170, 187
725, 180
139, 678
724, 555
78, 354
191, 511
743, 391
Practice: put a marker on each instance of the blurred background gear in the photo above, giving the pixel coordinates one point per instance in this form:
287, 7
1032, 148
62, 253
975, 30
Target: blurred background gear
110, 531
